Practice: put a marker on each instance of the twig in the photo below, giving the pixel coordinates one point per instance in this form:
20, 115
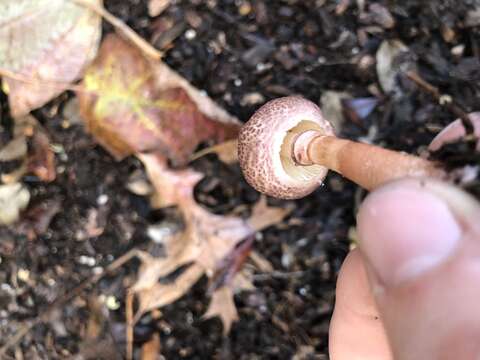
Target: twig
65, 298
130, 324
131, 35
278, 275
444, 100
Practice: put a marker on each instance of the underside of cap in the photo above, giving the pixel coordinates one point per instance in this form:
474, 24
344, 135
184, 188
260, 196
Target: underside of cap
265, 148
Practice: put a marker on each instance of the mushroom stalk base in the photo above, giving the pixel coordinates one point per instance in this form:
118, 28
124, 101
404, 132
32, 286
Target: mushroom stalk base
367, 165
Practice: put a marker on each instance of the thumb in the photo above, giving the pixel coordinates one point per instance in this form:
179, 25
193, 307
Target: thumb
421, 243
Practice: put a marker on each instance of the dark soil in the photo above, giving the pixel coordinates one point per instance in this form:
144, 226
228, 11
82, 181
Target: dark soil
275, 48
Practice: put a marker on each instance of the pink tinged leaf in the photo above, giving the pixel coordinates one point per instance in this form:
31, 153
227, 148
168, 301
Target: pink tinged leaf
133, 105
455, 131
48, 43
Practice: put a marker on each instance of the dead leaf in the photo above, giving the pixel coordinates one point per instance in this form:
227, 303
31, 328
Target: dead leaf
264, 216
388, 63
206, 241
46, 41
133, 105
13, 199
14, 150
17, 148
331, 104
32, 145
472, 18
260, 262
156, 7
151, 349
222, 305
378, 14
229, 266
138, 184
159, 295
305, 352
36, 220
96, 318
41, 159
226, 152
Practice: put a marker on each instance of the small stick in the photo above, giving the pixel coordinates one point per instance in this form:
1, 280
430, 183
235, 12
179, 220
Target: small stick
130, 324
131, 35
444, 100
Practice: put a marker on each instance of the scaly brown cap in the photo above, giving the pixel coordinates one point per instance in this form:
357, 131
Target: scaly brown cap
265, 147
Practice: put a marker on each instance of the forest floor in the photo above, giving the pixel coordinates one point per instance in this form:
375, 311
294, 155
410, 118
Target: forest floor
241, 53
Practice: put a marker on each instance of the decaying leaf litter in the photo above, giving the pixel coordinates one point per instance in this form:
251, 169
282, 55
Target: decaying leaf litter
314, 237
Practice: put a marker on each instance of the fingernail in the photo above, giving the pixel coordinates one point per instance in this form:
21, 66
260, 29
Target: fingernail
405, 232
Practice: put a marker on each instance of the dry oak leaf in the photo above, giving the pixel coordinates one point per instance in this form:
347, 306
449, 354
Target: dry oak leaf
48, 42
134, 105
222, 305
208, 238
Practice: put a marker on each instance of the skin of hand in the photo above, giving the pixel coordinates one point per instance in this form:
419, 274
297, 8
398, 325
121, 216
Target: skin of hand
411, 290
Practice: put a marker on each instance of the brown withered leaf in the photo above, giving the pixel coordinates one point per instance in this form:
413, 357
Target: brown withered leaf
48, 42
41, 159
133, 105
204, 244
230, 265
31, 144
36, 220
156, 7
222, 305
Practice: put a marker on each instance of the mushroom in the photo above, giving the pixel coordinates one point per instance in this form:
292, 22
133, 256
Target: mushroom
287, 147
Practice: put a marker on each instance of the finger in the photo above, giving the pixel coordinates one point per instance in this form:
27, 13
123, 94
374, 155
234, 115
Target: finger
356, 331
421, 242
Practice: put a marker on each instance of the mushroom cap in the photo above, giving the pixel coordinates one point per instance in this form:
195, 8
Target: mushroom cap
265, 147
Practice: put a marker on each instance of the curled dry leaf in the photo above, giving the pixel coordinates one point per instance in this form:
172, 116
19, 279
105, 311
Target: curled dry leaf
133, 105
48, 42
331, 104
389, 63
207, 240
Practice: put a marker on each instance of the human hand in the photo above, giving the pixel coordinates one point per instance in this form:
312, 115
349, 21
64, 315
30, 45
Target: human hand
412, 288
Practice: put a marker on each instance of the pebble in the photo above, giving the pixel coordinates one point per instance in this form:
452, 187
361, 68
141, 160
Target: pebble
190, 34
253, 98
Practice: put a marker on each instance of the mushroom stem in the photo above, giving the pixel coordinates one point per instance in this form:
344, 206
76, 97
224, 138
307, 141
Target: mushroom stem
367, 165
